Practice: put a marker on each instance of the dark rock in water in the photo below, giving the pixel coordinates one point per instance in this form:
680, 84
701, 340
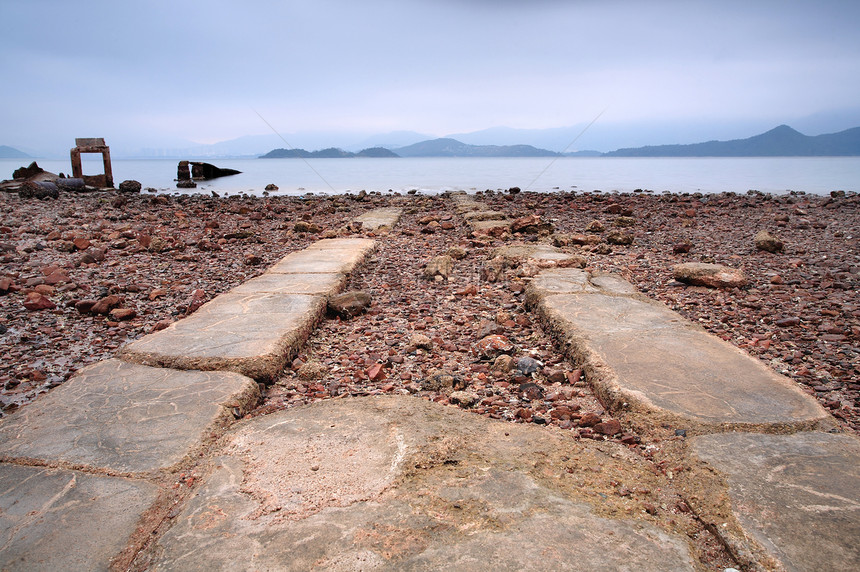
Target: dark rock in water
206, 171
271, 187
186, 184
349, 304
129, 186
27, 172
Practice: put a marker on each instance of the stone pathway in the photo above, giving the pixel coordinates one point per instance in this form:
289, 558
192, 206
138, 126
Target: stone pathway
92, 475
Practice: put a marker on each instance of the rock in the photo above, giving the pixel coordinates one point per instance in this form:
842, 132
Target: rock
787, 322
528, 365
5, 284
420, 341
531, 391
589, 419
130, 186
41, 191
310, 371
376, 372
439, 266
624, 221
105, 305
36, 301
464, 399
271, 187
208, 171
619, 237
610, 427
709, 275
768, 242
253, 260
492, 346
440, 380
120, 314
503, 364
457, 252
304, 226
26, 172
532, 224
682, 247
158, 245
595, 226
554, 375
81, 243
349, 304
493, 270
186, 184
85, 306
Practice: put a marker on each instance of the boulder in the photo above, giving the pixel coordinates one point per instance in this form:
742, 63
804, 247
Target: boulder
439, 266
208, 171
532, 224
767, 242
709, 275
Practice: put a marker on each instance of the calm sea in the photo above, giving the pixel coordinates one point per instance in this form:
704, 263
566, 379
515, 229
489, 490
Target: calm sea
818, 175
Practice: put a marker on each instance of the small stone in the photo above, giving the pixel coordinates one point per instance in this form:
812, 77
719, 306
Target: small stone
310, 371
554, 375
271, 187
81, 243
492, 346
767, 242
527, 365
595, 226
105, 305
531, 391
120, 314
457, 252
589, 419
464, 399
503, 364
709, 275
682, 247
420, 341
787, 322
349, 304
619, 237
36, 301
493, 270
376, 372
610, 427
439, 266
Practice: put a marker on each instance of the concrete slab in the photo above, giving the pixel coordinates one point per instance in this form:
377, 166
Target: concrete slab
576, 281
397, 483
379, 218
642, 354
325, 284
54, 519
539, 252
484, 215
797, 495
332, 255
125, 417
251, 334
490, 226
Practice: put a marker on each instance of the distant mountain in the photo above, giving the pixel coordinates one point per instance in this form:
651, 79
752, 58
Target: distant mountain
782, 141
329, 153
448, 147
7, 152
390, 140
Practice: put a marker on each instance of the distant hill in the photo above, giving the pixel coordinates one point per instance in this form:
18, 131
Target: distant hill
7, 152
448, 147
782, 141
330, 153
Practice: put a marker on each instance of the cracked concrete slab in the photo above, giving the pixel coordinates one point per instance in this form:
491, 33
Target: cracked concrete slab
397, 483
251, 334
378, 219
53, 519
331, 255
324, 284
125, 417
797, 495
640, 353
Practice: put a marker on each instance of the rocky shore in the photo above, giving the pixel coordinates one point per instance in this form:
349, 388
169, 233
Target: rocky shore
84, 274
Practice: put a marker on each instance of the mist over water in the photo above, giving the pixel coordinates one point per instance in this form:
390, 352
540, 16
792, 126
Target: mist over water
815, 175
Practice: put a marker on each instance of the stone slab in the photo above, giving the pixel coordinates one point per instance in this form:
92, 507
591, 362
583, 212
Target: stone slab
642, 353
487, 226
797, 495
540, 252
397, 483
379, 218
323, 284
576, 281
484, 215
53, 519
332, 255
125, 417
251, 334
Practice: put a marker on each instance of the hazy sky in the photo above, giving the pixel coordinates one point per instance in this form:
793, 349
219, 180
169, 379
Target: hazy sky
160, 71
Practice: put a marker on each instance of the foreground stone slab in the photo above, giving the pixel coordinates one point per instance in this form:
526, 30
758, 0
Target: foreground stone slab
641, 356
797, 495
331, 255
322, 284
53, 519
377, 219
125, 417
251, 334
397, 483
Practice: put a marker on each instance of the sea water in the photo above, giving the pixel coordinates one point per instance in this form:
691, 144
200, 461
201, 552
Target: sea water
814, 175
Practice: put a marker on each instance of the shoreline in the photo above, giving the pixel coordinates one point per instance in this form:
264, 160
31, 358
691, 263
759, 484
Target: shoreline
162, 256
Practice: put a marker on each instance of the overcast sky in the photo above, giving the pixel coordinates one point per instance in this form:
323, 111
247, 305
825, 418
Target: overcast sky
162, 71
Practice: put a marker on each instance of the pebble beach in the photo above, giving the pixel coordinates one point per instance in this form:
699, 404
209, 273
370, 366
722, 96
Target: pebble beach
87, 273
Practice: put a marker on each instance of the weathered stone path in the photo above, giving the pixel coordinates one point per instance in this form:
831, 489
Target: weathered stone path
393, 483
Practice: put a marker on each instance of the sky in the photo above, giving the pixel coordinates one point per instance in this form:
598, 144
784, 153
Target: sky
166, 73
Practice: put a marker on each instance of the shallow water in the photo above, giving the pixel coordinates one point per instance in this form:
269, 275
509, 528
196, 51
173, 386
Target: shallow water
816, 175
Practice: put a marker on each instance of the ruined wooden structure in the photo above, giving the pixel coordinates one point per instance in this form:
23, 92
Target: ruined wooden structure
92, 145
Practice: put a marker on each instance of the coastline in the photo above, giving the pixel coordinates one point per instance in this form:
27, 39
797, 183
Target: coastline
162, 256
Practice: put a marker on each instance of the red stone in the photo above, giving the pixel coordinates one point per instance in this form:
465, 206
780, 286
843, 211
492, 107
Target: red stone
36, 301
376, 372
